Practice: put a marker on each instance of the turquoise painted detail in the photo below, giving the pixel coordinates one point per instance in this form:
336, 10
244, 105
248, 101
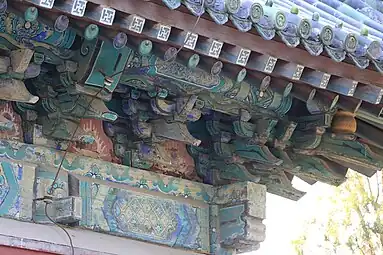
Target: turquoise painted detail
156, 220
14, 29
109, 116
9, 188
232, 226
110, 61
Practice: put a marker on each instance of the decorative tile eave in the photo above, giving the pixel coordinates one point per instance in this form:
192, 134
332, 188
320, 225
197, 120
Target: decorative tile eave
293, 28
128, 6
238, 55
340, 40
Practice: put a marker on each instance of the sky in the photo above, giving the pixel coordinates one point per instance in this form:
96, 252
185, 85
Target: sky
285, 218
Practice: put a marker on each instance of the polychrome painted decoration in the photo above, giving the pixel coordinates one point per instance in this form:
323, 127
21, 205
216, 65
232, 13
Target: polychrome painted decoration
145, 217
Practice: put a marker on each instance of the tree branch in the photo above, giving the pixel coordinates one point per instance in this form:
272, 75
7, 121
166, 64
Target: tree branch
378, 187
369, 187
360, 248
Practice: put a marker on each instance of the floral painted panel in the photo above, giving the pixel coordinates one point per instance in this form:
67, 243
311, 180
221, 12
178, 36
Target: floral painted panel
145, 217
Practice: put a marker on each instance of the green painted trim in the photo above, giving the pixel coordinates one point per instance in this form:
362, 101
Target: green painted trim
13, 188
121, 174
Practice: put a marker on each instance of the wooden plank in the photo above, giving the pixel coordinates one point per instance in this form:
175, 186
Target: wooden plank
249, 41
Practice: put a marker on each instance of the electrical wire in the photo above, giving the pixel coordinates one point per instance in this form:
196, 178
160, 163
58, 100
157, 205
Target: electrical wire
58, 225
72, 137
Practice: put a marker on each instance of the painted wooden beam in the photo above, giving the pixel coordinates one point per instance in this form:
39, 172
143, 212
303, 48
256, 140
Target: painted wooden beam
226, 34
158, 31
209, 47
213, 48
187, 39
281, 86
259, 80
234, 72
15, 90
211, 65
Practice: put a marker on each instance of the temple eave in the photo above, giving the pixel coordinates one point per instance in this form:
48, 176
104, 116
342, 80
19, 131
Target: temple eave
172, 134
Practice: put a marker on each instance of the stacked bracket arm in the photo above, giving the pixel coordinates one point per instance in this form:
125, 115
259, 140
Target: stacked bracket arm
174, 137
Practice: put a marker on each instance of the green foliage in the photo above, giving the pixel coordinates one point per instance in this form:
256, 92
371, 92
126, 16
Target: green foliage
353, 224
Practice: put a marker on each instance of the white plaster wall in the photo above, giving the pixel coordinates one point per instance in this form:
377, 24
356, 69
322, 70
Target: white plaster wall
50, 238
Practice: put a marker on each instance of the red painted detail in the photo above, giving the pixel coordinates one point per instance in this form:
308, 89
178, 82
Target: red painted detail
172, 158
102, 148
8, 114
7, 250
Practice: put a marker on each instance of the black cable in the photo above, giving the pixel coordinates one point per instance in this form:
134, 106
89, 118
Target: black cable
58, 225
72, 137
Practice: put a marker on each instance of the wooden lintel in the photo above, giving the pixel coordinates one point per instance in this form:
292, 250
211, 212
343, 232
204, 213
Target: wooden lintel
369, 93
